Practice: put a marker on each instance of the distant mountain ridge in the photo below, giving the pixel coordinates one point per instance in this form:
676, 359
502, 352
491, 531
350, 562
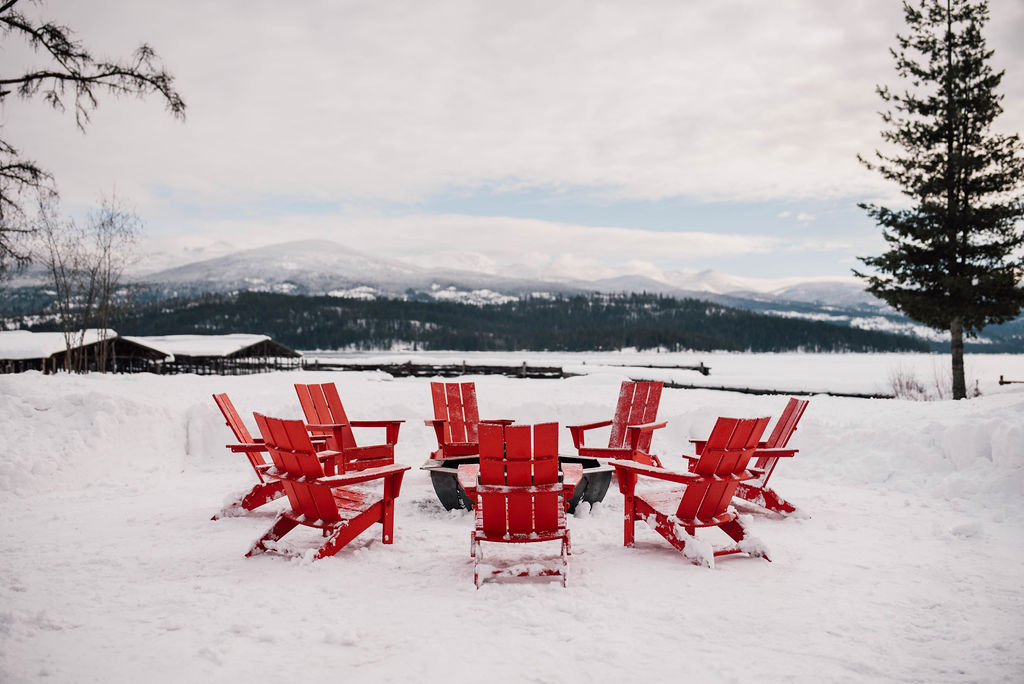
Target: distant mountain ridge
323, 267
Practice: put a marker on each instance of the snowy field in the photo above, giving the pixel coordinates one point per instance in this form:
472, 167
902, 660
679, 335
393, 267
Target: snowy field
905, 563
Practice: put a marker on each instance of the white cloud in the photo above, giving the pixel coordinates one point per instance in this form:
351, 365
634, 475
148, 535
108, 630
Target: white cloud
361, 102
491, 244
736, 99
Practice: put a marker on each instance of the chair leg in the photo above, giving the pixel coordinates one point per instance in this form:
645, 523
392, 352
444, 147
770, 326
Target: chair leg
629, 521
387, 535
565, 559
734, 528
646, 459
764, 497
281, 527
339, 537
745, 543
261, 494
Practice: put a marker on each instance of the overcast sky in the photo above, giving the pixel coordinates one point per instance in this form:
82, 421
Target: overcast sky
572, 137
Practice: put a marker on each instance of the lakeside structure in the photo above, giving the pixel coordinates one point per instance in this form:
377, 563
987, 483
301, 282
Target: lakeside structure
106, 351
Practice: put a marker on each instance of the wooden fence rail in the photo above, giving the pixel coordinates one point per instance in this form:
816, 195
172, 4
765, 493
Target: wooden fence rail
426, 370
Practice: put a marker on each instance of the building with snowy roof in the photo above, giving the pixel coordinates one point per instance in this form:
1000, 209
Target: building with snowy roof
93, 349
232, 354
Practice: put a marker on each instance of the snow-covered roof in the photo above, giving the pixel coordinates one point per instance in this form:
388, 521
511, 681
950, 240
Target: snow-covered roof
25, 344
202, 345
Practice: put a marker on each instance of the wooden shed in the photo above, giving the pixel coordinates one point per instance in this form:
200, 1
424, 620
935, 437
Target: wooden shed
234, 354
23, 350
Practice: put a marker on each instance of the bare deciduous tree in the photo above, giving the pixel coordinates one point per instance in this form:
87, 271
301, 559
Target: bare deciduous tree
86, 266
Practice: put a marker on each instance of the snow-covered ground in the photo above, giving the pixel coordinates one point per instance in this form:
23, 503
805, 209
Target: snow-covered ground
905, 564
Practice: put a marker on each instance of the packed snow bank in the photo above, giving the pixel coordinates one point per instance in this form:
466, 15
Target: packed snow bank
904, 564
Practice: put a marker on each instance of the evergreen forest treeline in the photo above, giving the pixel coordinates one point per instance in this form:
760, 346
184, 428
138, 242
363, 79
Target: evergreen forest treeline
577, 323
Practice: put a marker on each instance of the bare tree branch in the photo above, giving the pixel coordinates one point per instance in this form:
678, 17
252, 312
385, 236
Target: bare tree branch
73, 73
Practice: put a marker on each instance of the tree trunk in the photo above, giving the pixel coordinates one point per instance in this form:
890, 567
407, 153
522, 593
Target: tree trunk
956, 347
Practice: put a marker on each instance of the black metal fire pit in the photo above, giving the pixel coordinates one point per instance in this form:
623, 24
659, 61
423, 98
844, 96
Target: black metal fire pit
444, 476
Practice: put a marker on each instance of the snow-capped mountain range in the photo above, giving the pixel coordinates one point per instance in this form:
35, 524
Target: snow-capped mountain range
319, 267
323, 267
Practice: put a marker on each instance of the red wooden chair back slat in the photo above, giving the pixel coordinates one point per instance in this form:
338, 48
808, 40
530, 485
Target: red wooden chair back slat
621, 415
295, 457
637, 404
234, 420
337, 412
545, 472
519, 473
456, 419
322, 405
455, 403
492, 471
508, 458
728, 451
470, 411
786, 426
240, 431
439, 399
780, 436
309, 409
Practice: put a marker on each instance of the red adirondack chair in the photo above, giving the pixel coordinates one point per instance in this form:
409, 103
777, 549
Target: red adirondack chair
265, 490
321, 494
632, 426
456, 419
325, 414
518, 496
676, 513
768, 454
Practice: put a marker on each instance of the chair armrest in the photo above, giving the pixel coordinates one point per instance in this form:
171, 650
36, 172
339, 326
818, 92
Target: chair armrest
438, 425
633, 432
589, 426
577, 431
468, 475
774, 453
327, 427
653, 471
362, 475
391, 428
499, 421
572, 473
247, 448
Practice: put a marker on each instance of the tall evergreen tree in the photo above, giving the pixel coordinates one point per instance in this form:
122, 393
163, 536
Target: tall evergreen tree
953, 259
